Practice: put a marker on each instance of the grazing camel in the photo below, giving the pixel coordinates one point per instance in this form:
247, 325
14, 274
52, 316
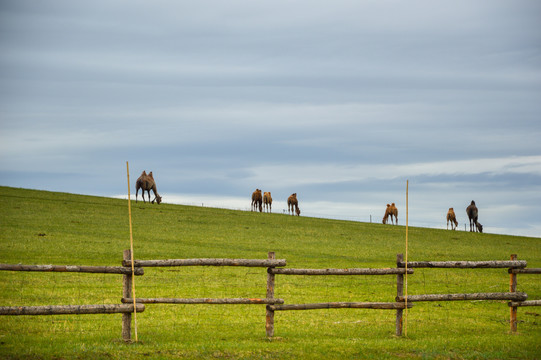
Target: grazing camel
473, 213
267, 201
146, 183
293, 204
391, 211
257, 200
394, 212
451, 217
387, 214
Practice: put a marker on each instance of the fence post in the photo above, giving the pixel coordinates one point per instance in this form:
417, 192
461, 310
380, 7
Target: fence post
399, 292
126, 293
269, 324
513, 288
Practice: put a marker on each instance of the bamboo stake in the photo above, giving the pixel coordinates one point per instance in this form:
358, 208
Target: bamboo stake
131, 251
406, 274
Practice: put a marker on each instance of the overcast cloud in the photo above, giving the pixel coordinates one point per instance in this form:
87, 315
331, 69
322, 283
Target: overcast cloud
341, 102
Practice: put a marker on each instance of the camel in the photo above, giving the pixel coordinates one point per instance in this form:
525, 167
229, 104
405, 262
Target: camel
267, 201
257, 200
472, 212
394, 212
391, 211
146, 183
293, 204
387, 214
451, 217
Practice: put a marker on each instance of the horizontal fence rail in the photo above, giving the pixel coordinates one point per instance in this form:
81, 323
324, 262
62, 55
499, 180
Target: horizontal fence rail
525, 271
73, 268
224, 301
366, 271
504, 264
472, 296
207, 262
525, 303
69, 309
341, 305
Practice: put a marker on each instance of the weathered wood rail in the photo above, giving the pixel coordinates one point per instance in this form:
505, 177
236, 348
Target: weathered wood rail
342, 305
218, 301
207, 262
73, 268
70, 309
353, 271
471, 296
504, 264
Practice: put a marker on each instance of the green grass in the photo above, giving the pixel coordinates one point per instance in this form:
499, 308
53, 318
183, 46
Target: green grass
39, 227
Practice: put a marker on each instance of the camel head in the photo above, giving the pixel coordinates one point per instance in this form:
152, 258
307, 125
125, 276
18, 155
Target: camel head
158, 199
298, 211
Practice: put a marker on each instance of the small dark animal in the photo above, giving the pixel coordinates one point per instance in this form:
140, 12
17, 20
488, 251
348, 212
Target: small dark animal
257, 200
472, 212
293, 205
146, 183
451, 217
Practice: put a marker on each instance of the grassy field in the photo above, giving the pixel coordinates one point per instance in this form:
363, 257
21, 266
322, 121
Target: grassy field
39, 227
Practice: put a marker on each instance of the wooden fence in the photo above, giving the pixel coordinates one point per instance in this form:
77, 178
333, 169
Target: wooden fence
398, 306
125, 309
513, 305
514, 267
275, 267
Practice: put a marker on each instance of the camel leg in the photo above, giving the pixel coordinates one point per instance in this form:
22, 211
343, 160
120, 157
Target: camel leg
148, 191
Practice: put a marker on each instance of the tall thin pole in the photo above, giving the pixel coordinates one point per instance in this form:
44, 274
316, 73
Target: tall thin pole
131, 251
406, 274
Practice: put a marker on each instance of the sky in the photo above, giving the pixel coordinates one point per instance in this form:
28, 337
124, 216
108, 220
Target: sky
349, 104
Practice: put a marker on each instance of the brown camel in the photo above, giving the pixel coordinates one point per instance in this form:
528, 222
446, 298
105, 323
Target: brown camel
473, 213
267, 201
293, 205
451, 217
146, 183
387, 214
257, 200
394, 212
390, 211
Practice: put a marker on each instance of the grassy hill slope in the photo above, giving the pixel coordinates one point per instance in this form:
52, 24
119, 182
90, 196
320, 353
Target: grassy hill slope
38, 227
